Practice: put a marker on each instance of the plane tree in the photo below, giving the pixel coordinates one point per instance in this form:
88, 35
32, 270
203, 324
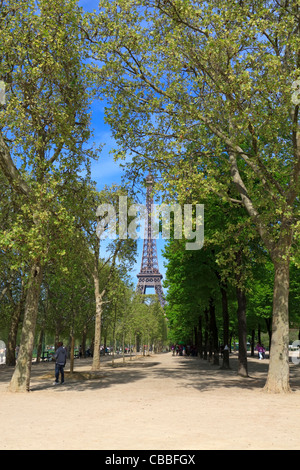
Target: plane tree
44, 127
205, 94
99, 227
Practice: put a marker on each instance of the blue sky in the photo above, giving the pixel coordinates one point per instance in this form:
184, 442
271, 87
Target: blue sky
106, 171
89, 5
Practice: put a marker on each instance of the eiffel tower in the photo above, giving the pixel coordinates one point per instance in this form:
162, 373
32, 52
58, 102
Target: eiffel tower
149, 275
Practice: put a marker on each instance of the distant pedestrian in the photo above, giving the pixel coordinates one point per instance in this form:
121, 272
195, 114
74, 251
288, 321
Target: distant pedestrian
260, 349
60, 357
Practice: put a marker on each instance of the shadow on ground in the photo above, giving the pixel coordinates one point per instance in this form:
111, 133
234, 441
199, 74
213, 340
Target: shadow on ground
83, 379
204, 376
188, 372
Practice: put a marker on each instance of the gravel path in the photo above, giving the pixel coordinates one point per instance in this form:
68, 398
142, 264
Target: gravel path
158, 402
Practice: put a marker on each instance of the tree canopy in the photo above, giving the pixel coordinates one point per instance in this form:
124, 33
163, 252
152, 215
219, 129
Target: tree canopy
202, 94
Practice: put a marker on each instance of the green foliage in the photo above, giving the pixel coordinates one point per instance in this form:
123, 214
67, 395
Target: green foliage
44, 123
202, 95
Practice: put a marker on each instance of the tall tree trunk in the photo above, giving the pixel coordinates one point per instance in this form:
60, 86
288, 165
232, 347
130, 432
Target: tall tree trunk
83, 341
97, 341
20, 381
225, 312
206, 329
123, 346
213, 332
269, 329
99, 305
241, 316
130, 352
41, 341
72, 346
40, 345
196, 335
278, 374
105, 340
12, 336
242, 330
14, 325
200, 337
99, 300
259, 334
114, 335
252, 342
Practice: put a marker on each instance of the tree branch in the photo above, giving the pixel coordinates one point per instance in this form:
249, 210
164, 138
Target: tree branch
248, 204
10, 171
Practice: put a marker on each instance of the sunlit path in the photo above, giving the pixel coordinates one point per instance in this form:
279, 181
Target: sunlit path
157, 402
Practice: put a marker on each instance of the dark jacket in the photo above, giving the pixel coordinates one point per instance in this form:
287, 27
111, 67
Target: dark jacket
60, 356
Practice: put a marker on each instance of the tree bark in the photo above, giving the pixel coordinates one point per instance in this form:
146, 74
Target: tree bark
242, 320
242, 330
269, 329
20, 381
278, 374
205, 355
259, 334
10, 170
98, 304
97, 341
12, 337
252, 343
213, 333
83, 341
200, 337
99, 300
225, 312
123, 346
72, 346
40, 346
41, 341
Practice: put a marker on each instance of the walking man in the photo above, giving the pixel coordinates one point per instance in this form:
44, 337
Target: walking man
60, 362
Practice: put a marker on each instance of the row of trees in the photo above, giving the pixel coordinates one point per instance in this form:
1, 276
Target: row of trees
223, 293
67, 311
54, 276
84, 294
199, 93
44, 132
203, 94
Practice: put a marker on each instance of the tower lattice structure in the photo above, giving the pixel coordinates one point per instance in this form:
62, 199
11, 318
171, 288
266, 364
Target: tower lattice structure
149, 275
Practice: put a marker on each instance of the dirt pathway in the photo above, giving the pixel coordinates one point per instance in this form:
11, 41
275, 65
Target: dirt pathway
153, 403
